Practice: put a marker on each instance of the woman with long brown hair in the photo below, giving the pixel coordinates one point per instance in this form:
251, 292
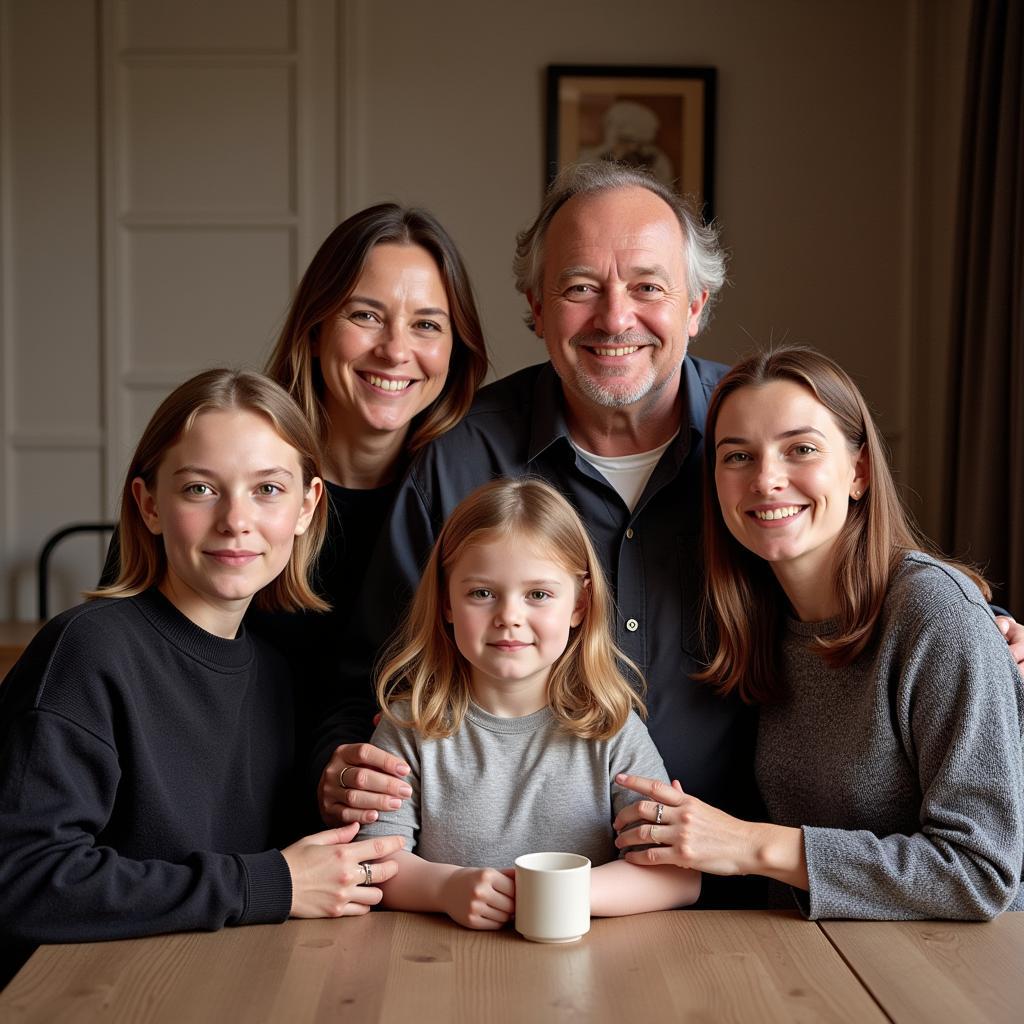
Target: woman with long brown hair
382, 349
889, 746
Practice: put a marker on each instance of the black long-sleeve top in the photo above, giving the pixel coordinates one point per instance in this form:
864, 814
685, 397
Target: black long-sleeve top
143, 766
310, 641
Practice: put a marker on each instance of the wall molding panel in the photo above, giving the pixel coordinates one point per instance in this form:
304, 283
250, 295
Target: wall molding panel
198, 176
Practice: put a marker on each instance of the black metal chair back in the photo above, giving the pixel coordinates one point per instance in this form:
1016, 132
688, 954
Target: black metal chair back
42, 566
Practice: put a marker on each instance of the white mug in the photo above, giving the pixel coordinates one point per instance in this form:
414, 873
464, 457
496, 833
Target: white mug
552, 896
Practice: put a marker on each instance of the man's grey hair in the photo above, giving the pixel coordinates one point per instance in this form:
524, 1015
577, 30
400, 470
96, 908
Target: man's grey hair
702, 254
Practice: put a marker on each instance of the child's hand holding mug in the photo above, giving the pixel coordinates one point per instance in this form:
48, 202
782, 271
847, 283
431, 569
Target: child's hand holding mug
482, 898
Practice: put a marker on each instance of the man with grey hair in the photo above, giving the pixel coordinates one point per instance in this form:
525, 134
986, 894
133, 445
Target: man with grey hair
619, 276
587, 203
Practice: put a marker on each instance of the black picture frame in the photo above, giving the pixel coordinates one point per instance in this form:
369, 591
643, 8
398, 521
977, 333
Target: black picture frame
661, 118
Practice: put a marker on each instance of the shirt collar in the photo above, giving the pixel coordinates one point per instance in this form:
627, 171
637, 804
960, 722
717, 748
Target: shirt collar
549, 423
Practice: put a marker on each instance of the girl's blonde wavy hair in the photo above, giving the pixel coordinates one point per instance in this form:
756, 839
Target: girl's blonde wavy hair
587, 690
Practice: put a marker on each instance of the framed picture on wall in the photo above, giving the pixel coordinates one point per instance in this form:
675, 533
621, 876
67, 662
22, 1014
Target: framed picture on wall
658, 118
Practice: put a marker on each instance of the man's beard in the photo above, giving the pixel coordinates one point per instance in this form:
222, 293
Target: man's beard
609, 395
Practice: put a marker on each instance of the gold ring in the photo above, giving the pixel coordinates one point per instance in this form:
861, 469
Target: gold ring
341, 777
653, 837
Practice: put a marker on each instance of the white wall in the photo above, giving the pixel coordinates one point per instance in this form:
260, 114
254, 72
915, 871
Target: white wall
50, 359
131, 221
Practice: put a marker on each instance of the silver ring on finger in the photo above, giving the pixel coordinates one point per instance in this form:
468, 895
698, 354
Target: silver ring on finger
341, 776
661, 811
367, 873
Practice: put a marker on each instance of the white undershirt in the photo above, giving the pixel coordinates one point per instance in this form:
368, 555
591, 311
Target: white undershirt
628, 474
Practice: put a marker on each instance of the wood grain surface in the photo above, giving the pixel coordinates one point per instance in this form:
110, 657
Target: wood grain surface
938, 970
422, 969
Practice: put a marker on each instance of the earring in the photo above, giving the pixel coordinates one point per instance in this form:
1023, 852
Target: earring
856, 495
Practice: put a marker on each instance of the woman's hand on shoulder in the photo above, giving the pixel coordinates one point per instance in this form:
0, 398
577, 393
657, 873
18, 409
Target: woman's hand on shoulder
360, 780
482, 898
335, 877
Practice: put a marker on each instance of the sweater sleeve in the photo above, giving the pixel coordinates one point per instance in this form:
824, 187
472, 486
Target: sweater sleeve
59, 883
633, 752
958, 707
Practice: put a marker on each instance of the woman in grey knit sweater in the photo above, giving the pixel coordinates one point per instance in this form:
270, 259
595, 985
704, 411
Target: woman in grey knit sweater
889, 749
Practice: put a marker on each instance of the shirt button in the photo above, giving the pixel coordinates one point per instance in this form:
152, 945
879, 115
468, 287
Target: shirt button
629, 533
632, 625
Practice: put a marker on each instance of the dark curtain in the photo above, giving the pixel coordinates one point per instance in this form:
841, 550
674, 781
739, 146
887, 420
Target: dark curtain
984, 510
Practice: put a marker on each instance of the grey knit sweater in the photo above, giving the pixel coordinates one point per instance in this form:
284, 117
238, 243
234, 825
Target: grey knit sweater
905, 768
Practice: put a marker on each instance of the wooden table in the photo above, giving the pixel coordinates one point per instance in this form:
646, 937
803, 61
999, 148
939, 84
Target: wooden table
418, 969
14, 638
938, 970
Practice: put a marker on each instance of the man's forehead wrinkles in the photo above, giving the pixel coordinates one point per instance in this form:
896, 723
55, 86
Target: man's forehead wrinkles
577, 270
641, 266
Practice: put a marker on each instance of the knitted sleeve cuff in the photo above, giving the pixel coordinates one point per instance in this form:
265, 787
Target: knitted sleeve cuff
269, 887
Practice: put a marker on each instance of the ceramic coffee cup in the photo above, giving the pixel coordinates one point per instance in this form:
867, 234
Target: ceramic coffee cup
552, 896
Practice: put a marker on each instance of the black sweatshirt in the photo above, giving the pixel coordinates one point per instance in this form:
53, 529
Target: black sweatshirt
144, 764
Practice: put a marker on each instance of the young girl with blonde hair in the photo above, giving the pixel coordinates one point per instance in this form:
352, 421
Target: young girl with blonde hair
504, 694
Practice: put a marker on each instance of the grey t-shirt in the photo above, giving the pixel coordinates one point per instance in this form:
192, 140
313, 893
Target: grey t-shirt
904, 768
502, 787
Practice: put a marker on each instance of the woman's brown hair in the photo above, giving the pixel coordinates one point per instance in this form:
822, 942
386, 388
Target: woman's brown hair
743, 598
143, 562
587, 690
326, 286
